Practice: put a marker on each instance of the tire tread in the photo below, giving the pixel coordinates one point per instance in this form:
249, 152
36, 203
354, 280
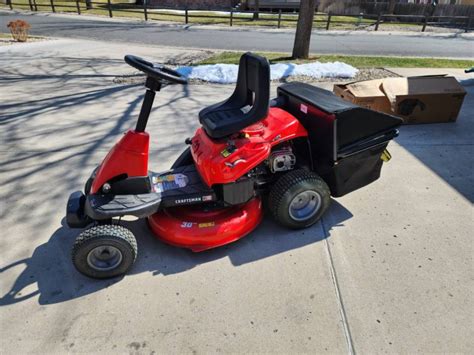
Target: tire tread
112, 231
286, 182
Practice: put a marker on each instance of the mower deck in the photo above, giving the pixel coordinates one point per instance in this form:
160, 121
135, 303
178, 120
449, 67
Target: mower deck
198, 228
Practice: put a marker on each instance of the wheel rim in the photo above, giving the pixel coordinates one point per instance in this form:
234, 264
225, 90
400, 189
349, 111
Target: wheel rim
104, 258
304, 205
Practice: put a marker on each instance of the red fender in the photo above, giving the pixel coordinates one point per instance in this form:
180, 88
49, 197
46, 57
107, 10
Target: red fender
129, 156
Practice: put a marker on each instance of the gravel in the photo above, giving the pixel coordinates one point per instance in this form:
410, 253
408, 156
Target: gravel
363, 74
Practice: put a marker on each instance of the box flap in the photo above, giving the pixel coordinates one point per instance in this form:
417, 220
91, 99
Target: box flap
367, 88
419, 85
429, 76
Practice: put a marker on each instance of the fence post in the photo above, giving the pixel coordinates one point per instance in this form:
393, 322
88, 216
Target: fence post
231, 17
52, 6
359, 19
9, 2
329, 21
425, 20
78, 7
468, 24
186, 19
109, 7
145, 10
279, 18
256, 12
34, 4
379, 17
31, 5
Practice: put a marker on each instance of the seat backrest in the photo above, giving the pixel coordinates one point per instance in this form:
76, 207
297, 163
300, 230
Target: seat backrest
253, 86
252, 89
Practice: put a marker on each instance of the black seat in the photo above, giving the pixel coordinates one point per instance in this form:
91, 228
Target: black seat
248, 104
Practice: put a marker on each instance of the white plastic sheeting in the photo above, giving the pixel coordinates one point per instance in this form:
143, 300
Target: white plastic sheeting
227, 73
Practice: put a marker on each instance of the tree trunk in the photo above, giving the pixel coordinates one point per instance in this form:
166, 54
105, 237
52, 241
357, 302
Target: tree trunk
303, 29
391, 6
256, 10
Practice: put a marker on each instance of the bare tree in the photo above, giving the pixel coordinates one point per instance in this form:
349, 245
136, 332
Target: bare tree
303, 29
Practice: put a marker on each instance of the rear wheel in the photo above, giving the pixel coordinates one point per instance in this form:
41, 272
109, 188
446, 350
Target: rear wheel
104, 251
299, 199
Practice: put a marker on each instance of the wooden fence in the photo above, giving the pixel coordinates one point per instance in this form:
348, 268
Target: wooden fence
355, 7
273, 19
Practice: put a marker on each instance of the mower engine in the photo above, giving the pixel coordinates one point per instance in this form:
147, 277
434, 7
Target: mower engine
282, 159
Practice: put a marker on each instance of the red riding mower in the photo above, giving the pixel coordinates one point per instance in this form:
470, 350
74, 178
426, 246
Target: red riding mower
297, 149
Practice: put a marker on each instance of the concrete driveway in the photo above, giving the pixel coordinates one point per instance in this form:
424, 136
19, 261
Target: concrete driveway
388, 269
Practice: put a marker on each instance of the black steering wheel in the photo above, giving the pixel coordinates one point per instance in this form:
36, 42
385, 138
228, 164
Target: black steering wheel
155, 71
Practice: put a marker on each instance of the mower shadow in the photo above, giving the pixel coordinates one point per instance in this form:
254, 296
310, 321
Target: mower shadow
57, 281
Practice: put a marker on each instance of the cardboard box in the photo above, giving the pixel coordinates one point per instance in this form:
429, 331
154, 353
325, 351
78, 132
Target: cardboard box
421, 99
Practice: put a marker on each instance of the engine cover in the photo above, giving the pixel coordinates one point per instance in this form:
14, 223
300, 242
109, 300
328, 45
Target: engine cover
223, 161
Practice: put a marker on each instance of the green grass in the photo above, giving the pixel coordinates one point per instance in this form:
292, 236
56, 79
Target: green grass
63, 5
356, 61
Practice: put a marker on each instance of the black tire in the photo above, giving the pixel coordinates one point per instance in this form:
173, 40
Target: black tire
289, 191
104, 251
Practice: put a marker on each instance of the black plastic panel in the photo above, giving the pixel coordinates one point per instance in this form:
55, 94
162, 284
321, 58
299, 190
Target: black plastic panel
194, 192
355, 171
352, 122
100, 207
131, 186
239, 192
75, 217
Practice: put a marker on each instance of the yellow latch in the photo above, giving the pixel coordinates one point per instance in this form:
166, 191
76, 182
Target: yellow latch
386, 156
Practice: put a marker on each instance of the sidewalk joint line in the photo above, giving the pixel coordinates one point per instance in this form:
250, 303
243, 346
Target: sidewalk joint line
342, 311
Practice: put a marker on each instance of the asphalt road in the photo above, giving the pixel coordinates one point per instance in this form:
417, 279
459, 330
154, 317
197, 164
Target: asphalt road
176, 35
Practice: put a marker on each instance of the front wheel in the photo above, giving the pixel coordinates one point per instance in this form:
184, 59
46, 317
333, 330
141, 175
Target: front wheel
299, 199
104, 251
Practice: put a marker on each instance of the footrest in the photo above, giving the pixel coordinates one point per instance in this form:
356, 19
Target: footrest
100, 207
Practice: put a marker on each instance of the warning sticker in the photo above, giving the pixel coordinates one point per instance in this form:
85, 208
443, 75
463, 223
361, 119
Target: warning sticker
225, 153
304, 108
169, 182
